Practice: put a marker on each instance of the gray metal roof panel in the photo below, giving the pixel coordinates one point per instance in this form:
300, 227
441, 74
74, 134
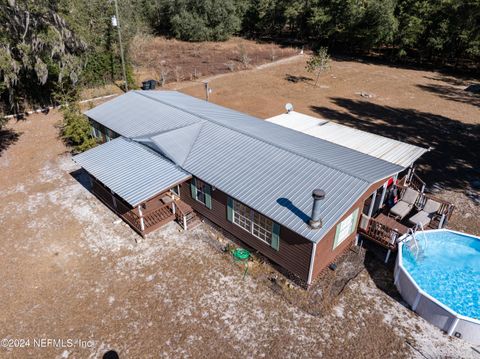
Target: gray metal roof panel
331, 154
268, 167
131, 170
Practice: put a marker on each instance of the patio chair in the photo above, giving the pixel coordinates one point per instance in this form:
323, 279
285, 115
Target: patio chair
424, 217
405, 205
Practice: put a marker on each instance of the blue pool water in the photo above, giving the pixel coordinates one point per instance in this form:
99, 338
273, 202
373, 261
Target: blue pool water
447, 268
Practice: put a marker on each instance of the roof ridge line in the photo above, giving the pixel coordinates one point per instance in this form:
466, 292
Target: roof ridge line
205, 118
151, 150
154, 134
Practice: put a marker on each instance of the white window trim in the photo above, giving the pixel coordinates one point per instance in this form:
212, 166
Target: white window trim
204, 195
251, 222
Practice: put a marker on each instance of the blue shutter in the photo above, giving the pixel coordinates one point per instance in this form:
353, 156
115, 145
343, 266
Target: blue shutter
208, 196
275, 236
229, 209
193, 187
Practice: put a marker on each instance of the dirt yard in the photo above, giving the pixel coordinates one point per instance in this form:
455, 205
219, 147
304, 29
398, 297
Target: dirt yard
70, 270
423, 108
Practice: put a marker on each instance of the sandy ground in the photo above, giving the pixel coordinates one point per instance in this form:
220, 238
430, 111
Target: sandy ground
423, 108
71, 271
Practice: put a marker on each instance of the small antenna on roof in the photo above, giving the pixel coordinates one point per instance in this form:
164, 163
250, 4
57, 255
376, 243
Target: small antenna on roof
289, 107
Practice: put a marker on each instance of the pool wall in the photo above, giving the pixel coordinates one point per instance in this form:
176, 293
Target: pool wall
431, 309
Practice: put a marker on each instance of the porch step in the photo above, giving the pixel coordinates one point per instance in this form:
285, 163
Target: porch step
193, 223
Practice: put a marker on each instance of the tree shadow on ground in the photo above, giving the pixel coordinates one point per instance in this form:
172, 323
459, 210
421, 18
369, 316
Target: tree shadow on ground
452, 94
296, 79
453, 162
7, 137
465, 73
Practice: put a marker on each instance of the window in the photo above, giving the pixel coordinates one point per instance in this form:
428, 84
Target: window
201, 192
253, 222
345, 228
242, 216
262, 227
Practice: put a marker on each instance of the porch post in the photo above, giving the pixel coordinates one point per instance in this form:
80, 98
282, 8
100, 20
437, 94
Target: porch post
185, 222
142, 223
388, 256
382, 198
113, 199
372, 203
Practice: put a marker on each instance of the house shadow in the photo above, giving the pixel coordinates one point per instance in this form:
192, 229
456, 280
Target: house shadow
81, 176
453, 161
285, 202
381, 274
7, 138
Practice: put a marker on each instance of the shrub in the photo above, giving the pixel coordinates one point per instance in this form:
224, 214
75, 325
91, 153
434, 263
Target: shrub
76, 130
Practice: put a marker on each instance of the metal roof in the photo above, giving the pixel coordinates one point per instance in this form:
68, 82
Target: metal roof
131, 170
270, 168
397, 152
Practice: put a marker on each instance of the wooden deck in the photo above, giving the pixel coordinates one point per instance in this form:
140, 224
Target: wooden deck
385, 230
142, 222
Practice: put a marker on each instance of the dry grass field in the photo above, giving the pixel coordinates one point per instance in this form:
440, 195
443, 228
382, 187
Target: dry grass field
176, 61
420, 107
71, 270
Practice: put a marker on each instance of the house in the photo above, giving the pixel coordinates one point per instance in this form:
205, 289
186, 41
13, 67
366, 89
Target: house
295, 198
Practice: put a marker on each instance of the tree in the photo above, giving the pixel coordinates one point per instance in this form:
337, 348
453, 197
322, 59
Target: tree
37, 49
199, 20
76, 130
318, 63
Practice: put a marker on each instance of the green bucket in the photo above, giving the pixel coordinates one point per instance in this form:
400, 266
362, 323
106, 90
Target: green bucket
241, 254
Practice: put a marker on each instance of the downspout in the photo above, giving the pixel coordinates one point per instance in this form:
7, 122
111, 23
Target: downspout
312, 260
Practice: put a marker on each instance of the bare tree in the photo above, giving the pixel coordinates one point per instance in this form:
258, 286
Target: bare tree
243, 56
178, 73
230, 65
162, 71
318, 63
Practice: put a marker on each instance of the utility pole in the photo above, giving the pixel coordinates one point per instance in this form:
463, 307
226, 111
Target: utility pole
116, 23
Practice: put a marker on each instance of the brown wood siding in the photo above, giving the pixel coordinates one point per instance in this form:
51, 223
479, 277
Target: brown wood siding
324, 254
294, 251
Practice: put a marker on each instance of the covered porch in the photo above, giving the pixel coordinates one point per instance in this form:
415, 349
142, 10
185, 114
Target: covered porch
382, 222
139, 185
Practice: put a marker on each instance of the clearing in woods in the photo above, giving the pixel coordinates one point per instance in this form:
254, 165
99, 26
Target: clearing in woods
70, 270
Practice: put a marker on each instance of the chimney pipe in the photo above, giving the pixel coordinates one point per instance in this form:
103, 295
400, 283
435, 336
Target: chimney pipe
315, 221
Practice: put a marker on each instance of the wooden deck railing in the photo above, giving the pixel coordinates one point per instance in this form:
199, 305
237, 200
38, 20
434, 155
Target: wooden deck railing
380, 233
152, 219
184, 213
416, 183
157, 217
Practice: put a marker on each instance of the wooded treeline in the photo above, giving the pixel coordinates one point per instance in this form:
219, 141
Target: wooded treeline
50, 47
440, 31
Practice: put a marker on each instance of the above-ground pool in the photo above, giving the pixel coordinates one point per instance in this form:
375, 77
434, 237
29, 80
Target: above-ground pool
438, 274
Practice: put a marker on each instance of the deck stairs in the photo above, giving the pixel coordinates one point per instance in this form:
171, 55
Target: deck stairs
186, 216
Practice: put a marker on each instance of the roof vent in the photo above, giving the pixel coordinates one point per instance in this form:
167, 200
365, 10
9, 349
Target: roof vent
315, 221
289, 107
